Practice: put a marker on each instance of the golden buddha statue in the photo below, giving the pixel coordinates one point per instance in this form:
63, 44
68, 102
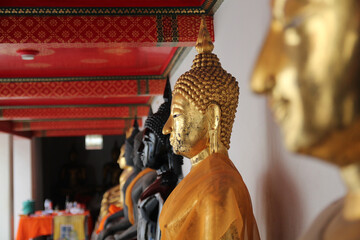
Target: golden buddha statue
113, 199
206, 204
114, 195
309, 67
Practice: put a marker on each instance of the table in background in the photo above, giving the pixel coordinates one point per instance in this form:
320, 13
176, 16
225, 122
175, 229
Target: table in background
35, 226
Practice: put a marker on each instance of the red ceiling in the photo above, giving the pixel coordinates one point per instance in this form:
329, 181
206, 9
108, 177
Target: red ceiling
82, 61
99, 62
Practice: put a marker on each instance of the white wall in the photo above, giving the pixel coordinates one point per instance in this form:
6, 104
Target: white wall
6, 186
287, 190
22, 175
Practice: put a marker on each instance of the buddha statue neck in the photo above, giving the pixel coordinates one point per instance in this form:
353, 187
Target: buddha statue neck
205, 153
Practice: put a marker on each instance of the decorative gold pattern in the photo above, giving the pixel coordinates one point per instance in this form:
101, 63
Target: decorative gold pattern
100, 11
208, 7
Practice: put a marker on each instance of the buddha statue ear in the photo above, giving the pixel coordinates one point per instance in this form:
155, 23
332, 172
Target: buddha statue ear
214, 116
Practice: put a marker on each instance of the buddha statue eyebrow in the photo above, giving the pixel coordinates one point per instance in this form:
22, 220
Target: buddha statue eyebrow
177, 106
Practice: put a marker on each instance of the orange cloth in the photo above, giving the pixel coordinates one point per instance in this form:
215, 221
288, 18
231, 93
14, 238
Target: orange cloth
211, 202
128, 199
31, 227
35, 226
112, 209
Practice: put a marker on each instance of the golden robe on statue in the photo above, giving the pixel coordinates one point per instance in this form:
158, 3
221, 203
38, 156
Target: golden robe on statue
211, 203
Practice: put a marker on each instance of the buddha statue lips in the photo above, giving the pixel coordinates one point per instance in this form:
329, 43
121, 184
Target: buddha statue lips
206, 204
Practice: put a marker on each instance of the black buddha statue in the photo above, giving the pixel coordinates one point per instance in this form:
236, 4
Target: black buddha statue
157, 154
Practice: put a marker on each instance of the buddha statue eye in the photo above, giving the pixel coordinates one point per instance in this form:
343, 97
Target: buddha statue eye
176, 115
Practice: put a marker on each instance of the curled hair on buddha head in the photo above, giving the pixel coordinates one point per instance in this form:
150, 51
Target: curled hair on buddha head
129, 144
137, 142
156, 122
207, 83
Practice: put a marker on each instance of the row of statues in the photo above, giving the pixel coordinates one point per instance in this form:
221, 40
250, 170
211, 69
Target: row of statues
151, 172
195, 121
309, 67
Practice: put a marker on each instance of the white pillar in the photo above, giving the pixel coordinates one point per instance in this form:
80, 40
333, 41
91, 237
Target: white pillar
6, 186
22, 175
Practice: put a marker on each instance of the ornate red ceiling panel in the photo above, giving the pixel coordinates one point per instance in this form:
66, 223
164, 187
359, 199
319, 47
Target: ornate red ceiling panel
109, 7
74, 124
74, 112
81, 132
127, 100
81, 89
60, 31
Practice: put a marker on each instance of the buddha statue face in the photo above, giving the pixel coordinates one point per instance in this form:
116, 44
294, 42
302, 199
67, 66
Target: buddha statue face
308, 67
151, 149
188, 127
121, 160
138, 150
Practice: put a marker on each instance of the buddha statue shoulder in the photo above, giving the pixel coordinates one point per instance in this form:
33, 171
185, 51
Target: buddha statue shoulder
206, 204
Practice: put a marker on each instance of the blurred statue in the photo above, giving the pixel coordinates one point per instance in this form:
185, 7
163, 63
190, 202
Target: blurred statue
113, 199
309, 67
206, 204
111, 170
121, 224
157, 154
125, 226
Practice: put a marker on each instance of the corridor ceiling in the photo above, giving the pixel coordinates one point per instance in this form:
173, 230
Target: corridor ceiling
99, 63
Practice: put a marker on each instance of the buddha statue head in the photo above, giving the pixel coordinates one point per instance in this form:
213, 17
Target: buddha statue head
155, 143
137, 150
121, 160
129, 144
308, 66
203, 105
